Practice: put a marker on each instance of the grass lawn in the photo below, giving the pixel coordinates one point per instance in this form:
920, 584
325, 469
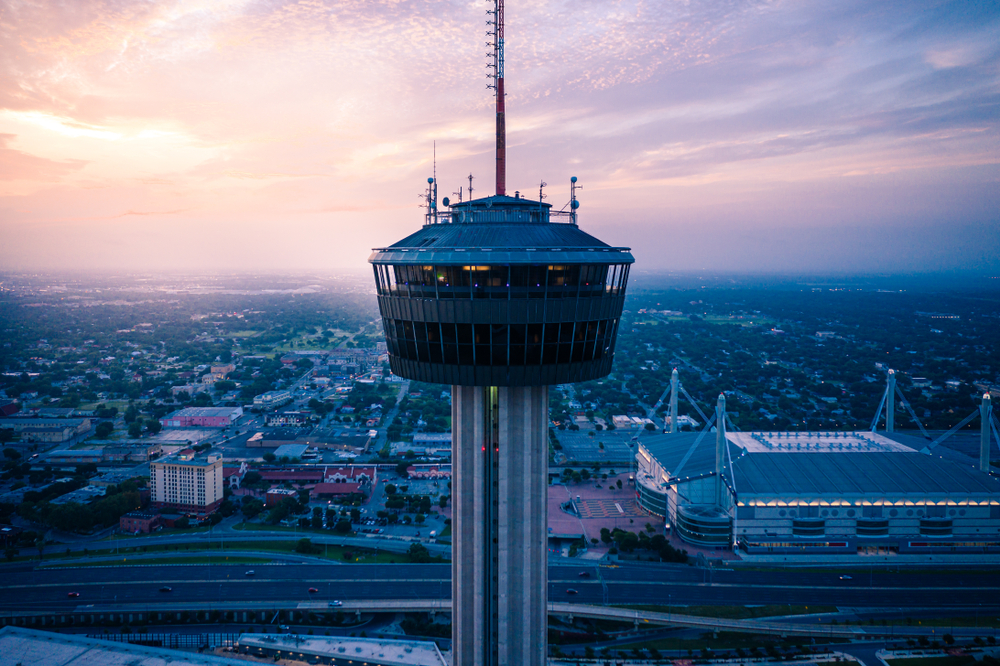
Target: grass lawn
194, 559
735, 612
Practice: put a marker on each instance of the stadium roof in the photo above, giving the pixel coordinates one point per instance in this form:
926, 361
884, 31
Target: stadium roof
880, 467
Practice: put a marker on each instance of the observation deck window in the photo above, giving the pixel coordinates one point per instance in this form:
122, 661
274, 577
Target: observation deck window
501, 344
502, 282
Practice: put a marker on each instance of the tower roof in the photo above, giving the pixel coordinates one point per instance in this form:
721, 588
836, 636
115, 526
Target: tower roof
500, 230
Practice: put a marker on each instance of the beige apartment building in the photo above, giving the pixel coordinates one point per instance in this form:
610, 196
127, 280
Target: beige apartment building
187, 482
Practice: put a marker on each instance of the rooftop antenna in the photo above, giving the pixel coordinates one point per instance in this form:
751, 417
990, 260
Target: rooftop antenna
541, 186
470, 187
458, 194
573, 203
497, 87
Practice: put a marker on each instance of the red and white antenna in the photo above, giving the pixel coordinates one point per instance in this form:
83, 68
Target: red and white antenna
497, 86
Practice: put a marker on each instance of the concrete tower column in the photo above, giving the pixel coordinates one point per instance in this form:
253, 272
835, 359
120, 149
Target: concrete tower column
499, 552
674, 388
890, 402
720, 450
985, 411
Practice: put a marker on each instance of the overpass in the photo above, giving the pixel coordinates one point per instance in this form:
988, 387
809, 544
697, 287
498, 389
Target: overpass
292, 612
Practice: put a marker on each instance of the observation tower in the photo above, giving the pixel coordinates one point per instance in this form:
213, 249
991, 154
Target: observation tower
500, 297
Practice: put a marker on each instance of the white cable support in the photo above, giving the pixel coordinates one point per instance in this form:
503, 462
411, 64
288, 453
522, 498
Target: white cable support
961, 424
906, 405
878, 412
693, 403
690, 451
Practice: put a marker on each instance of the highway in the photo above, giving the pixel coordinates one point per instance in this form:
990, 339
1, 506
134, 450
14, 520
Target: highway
26, 589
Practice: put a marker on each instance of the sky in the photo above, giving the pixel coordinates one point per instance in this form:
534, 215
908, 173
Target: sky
717, 135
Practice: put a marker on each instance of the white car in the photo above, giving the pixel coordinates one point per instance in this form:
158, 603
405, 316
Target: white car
334, 604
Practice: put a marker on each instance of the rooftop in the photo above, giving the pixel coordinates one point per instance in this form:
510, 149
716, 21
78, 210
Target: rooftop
869, 464
373, 651
43, 648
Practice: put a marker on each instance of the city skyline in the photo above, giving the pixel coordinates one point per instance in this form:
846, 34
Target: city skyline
751, 137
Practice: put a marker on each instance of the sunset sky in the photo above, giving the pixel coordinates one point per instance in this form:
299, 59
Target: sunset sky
723, 135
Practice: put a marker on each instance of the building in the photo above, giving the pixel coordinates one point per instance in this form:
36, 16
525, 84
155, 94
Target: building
275, 495
187, 482
343, 651
272, 399
138, 522
291, 451
233, 476
47, 429
202, 417
817, 492
291, 419
501, 298
305, 476
75, 457
333, 490
429, 471
45, 648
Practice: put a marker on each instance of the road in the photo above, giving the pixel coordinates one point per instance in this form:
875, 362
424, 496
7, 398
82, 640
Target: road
46, 589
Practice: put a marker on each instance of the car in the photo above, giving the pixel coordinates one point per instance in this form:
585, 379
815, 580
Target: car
335, 604
249, 573
584, 574
846, 577
313, 590
73, 594
571, 591
165, 588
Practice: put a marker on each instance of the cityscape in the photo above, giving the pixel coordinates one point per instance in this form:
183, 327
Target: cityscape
218, 428
718, 393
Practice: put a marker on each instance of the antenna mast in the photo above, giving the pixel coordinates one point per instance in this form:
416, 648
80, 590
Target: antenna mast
497, 87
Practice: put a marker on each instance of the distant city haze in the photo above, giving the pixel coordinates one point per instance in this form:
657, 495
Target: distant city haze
847, 137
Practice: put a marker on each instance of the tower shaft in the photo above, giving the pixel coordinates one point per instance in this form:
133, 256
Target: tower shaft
499, 556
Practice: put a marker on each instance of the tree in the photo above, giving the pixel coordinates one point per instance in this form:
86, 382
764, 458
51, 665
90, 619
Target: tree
10, 553
12, 454
40, 545
390, 489
419, 553
306, 547
269, 457
135, 428
104, 429
343, 526
401, 469
317, 517
252, 506
153, 426
355, 516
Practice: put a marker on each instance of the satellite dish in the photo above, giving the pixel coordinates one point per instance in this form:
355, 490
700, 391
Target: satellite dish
573, 179
445, 201
430, 180
576, 204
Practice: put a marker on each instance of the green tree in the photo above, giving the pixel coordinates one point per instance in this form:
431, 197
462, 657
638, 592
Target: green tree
252, 506
104, 429
419, 553
135, 428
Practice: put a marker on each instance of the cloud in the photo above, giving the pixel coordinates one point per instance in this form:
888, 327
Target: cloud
316, 119
18, 165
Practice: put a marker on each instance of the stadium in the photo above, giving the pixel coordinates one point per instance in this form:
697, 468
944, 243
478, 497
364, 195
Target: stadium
819, 492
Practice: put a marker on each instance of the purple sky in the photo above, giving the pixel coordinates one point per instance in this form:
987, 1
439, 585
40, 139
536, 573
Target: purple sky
744, 136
